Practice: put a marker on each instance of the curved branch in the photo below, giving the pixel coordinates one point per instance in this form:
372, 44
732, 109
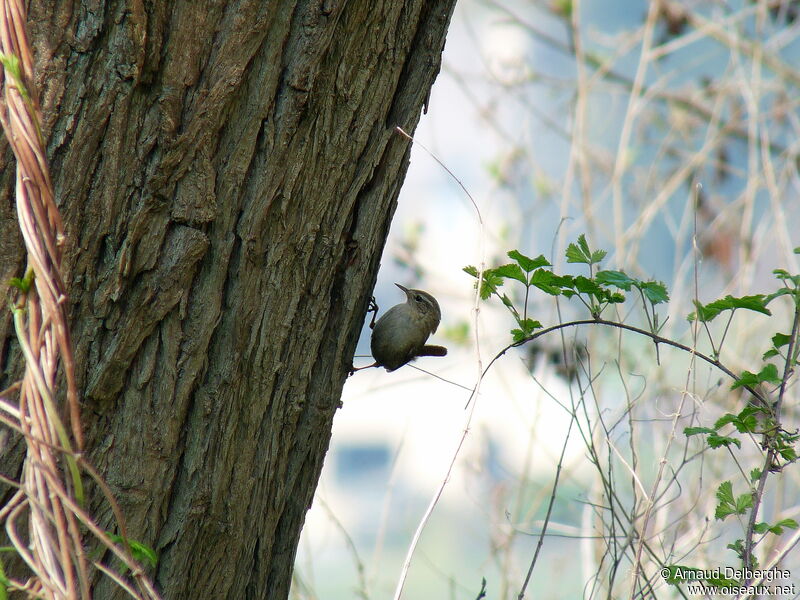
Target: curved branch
655, 337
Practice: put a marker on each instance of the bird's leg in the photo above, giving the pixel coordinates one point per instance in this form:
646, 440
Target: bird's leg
373, 308
353, 369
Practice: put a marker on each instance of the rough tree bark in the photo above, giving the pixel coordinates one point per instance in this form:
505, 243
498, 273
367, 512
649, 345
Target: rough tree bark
227, 172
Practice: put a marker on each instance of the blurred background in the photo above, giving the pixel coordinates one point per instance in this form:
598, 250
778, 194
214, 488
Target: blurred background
667, 133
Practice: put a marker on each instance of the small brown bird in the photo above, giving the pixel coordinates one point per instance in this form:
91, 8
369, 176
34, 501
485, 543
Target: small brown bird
399, 336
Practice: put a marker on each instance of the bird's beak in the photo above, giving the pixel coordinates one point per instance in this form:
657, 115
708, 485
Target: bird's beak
405, 289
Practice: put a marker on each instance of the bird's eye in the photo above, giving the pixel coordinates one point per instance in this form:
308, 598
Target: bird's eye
418, 298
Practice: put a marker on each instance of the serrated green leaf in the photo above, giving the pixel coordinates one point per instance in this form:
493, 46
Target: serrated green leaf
701, 313
765, 527
769, 374
781, 339
616, 278
672, 578
517, 335
724, 420
687, 431
745, 421
470, 270
781, 292
616, 298
575, 255
725, 492
491, 282
511, 271
654, 291
686, 572
529, 325
722, 511
755, 474
785, 276
584, 246
528, 264
743, 502
788, 523
737, 546
598, 255
546, 281
580, 252
728, 505
708, 312
718, 441
584, 285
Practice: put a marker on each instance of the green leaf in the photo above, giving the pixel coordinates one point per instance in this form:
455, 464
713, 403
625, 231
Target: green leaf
655, 291
777, 528
616, 278
528, 264
13, 68
744, 502
575, 255
680, 574
141, 552
717, 441
580, 253
529, 325
730, 506
778, 341
761, 527
546, 281
23, 284
722, 511
769, 374
783, 292
708, 312
781, 339
788, 523
511, 271
738, 547
687, 431
585, 285
745, 421
584, 245
785, 276
491, 280
725, 492
490, 283
755, 474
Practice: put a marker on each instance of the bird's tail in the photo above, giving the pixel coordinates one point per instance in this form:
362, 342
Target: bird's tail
432, 351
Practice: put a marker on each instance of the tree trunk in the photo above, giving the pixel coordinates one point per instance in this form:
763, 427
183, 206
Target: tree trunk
227, 172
